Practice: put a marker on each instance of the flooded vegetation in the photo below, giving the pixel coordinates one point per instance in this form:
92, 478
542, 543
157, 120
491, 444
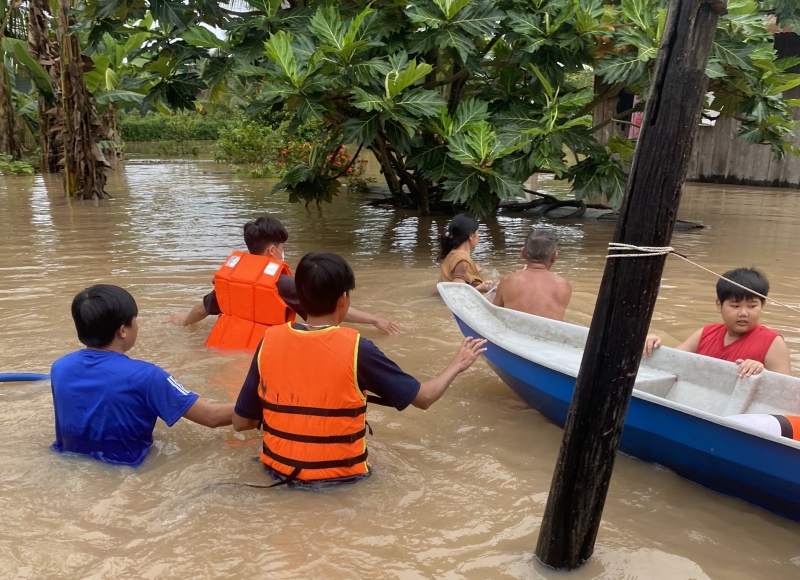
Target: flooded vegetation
457, 492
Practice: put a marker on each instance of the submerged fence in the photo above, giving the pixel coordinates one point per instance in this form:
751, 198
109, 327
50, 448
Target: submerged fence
719, 156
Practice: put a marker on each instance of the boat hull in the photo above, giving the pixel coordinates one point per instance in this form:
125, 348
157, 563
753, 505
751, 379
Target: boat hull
757, 470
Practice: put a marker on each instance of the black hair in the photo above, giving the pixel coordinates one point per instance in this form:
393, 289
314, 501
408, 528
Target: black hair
99, 311
263, 232
747, 277
540, 245
321, 278
458, 231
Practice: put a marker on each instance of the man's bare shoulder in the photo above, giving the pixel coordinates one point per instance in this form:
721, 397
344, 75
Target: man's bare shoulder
515, 278
563, 281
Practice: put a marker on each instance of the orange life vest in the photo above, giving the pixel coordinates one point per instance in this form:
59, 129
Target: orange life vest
314, 414
247, 292
790, 426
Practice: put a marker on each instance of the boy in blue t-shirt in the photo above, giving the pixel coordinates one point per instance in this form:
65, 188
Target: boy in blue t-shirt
106, 404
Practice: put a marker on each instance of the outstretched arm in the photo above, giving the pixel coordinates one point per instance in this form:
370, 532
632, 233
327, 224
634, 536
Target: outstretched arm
243, 423
196, 314
358, 317
248, 404
210, 414
692, 343
689, 345
431, 390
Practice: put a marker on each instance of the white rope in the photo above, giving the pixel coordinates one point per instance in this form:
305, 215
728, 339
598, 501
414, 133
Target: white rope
645, 251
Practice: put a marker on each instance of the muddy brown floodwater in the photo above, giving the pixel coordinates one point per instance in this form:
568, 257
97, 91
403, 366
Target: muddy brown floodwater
458, 491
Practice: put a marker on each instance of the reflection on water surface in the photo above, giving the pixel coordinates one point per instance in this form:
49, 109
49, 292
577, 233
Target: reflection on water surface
458, 491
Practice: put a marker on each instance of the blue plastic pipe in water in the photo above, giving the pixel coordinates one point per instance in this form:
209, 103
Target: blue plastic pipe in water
15, 377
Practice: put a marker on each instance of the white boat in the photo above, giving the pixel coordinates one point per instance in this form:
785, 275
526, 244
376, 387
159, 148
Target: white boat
677, 416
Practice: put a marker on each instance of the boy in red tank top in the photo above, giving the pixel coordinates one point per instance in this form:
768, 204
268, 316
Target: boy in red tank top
740, 338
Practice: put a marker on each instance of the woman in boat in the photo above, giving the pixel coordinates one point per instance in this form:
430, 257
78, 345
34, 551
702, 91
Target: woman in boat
456, 245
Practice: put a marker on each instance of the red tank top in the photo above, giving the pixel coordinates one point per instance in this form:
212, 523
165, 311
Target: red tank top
752, 345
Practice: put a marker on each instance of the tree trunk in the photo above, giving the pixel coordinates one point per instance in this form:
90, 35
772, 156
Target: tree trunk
629, 288
10, 141
84, 163
40, 45
109, 132
424, 196
378, 148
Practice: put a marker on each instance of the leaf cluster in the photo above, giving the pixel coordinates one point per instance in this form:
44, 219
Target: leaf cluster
460, 99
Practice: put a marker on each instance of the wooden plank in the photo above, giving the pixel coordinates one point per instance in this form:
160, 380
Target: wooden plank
775, 171
705, 150
693, 173
740, 163
724, 129
761, 160
791, 164
740, 159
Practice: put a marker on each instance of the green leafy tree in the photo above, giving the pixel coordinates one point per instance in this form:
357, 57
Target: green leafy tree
460, 101
114, 68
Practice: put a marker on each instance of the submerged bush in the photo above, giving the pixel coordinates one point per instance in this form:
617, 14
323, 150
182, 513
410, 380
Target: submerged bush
267, 148
186, 125
10, 167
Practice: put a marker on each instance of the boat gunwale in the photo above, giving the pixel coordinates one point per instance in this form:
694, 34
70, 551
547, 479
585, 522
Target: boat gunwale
700, 414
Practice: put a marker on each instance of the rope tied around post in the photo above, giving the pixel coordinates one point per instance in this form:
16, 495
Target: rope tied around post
647, 251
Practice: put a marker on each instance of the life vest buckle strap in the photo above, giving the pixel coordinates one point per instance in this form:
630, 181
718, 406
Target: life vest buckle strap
350, 438
314, 411
287, 479
330, 464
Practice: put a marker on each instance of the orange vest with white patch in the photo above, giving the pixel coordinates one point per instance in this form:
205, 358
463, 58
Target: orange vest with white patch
247, 291
314, 413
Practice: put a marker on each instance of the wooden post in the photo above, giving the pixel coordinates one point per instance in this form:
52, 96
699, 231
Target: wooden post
629, 288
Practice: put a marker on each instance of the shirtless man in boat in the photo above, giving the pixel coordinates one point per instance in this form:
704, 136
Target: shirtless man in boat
535, 289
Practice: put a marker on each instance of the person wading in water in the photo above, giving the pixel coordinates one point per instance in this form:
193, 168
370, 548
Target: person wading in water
314, 415
255, 290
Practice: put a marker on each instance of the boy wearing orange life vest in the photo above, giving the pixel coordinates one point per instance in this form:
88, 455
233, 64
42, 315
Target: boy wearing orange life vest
256, 290
740, 338
314, 416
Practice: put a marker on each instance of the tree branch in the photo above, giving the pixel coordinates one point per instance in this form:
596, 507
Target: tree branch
490, 63
241, 14
349, 165
463, 74
599, 98
492, 42
614, 119
395, 160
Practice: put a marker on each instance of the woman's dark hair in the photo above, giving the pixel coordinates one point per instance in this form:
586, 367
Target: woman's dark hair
99, 311
458, 231
263, 232
321, 278
747, 277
